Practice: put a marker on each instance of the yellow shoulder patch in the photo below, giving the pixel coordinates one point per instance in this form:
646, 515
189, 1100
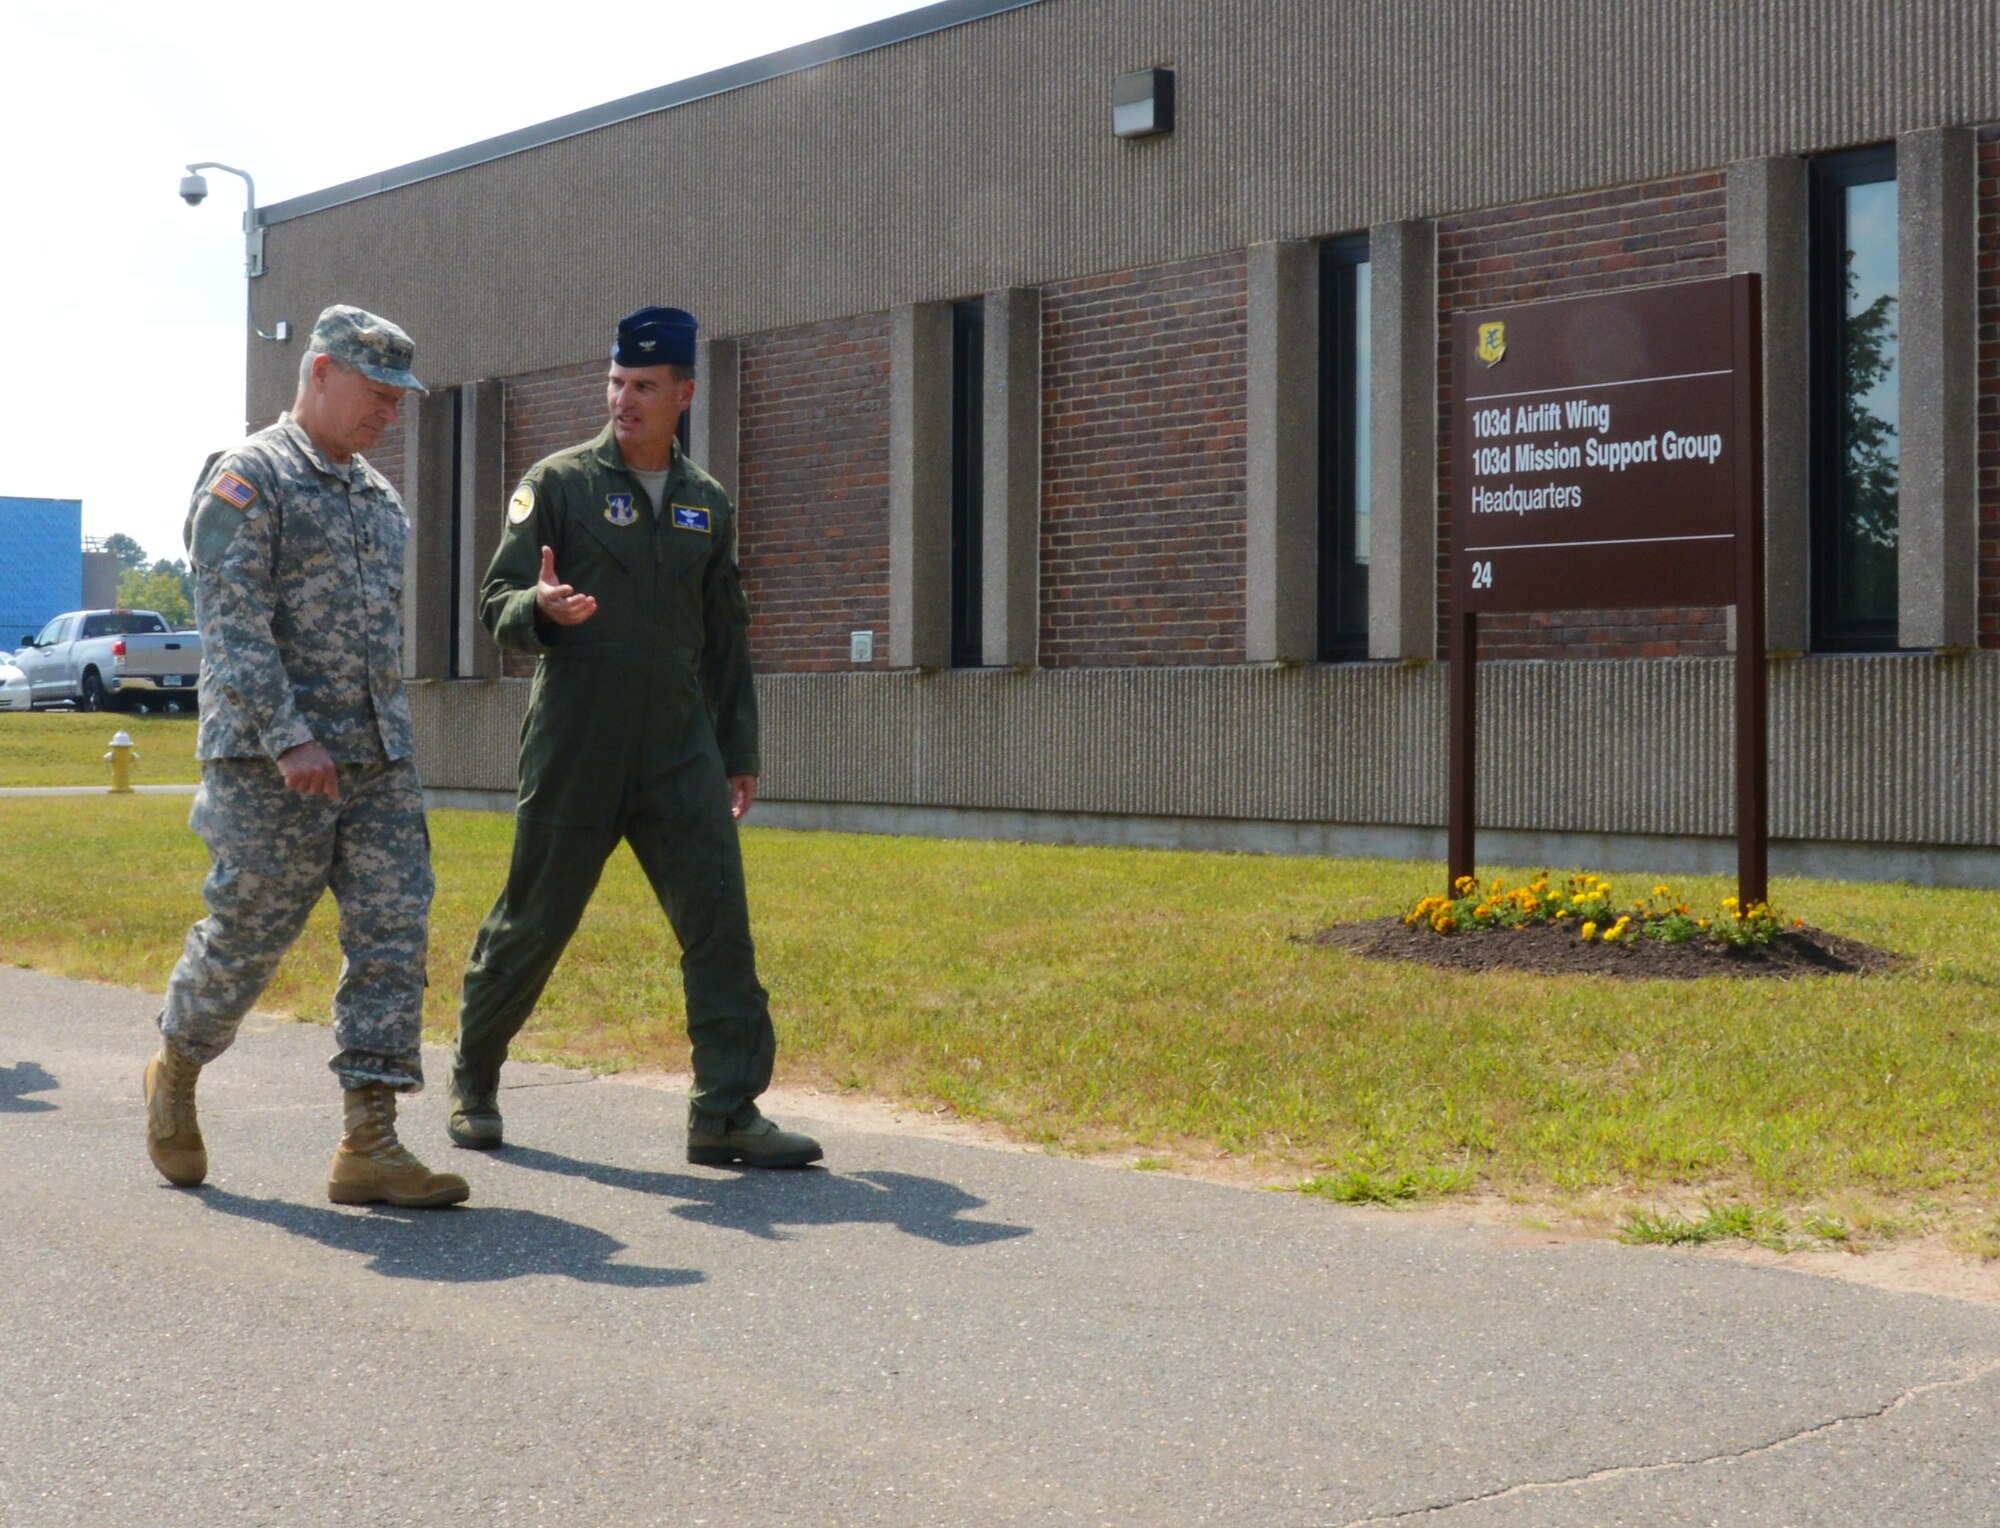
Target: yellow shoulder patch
522, 505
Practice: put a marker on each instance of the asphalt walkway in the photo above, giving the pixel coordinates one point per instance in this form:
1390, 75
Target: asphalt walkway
920, 1333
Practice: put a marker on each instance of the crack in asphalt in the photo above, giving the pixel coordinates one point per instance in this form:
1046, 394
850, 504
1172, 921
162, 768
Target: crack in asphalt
1726, 1456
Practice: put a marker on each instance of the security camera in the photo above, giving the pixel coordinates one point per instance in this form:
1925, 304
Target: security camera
194, 189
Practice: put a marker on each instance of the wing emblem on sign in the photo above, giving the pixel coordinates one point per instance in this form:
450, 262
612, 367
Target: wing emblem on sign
1492, 343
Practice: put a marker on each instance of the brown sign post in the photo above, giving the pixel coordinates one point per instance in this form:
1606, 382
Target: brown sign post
1607, 452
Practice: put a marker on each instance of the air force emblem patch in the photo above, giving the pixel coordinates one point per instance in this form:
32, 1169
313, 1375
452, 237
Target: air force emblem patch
1492, 343
691, 517
618, 509
521, 505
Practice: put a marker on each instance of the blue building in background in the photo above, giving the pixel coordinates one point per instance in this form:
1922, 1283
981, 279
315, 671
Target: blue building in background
41, 573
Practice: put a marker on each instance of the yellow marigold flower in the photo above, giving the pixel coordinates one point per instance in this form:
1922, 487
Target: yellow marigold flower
1463, 884
1589, 931
1659, 891
1730, 903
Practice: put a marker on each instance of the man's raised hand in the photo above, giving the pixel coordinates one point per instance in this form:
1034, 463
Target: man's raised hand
558, 601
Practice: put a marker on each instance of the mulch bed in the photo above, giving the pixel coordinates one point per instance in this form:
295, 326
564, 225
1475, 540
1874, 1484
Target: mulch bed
1549, 950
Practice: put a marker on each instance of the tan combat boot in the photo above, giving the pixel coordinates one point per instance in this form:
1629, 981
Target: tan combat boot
173, 1138
372, 1167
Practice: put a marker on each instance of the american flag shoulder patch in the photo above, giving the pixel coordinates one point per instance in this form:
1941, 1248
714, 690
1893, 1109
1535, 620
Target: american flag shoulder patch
231, 489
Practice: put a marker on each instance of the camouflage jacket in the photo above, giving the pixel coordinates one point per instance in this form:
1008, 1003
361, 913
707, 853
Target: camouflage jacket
298, 575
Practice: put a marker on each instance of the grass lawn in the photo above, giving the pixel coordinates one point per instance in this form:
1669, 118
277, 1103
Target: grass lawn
67, 747
1095, 997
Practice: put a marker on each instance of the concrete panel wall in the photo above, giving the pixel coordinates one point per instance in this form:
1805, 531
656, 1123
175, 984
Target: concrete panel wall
1938, 543
1767, 237
1010, 541
1402, 462
714, 435
920, 487
1365, 112
1281, 532
483, 490
1901, 749
427, 565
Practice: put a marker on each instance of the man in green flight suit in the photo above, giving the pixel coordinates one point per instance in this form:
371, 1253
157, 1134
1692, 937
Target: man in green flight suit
642, 726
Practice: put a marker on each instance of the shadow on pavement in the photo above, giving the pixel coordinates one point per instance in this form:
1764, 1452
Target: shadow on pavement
762, 1202
469, 1246
28, 1077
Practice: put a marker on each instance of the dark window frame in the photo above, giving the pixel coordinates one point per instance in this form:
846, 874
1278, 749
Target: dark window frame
968, 479
1343, 569
1830, 177
455, 591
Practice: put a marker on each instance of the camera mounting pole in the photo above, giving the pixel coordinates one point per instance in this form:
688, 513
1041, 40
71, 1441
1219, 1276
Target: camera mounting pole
194, 188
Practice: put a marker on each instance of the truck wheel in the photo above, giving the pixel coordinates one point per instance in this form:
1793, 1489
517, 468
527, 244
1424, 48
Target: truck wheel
93, 697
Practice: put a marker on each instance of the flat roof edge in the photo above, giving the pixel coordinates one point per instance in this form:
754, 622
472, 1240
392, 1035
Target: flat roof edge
887, 32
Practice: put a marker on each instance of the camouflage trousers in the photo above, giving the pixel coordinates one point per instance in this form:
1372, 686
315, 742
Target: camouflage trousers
273, 853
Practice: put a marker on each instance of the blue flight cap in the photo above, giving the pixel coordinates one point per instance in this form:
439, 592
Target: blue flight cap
655, 337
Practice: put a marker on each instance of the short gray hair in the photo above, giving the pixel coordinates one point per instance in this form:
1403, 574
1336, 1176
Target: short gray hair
306, 365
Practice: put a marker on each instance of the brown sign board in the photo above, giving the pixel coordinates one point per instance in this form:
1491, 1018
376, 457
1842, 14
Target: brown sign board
1595, 451
1607, 452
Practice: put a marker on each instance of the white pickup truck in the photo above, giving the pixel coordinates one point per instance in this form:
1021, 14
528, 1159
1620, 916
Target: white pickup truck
104, 659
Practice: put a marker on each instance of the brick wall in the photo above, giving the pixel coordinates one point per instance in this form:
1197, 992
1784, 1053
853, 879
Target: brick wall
387, 456
1670, 230
813, 479
1989, 386
1143, 465
542, 412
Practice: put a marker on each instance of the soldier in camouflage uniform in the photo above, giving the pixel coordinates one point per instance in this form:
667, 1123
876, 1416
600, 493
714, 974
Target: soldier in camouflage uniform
308, 780
642, 727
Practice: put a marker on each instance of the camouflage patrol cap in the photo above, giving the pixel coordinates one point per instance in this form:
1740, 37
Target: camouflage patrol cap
372, 346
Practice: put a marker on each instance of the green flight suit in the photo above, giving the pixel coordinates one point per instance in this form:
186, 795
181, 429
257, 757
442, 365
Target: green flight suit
638, 718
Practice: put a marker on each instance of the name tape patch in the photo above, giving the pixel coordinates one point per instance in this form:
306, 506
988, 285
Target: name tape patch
691, 517
231, 489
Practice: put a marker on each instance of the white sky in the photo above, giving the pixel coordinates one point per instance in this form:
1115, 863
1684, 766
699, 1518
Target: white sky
122, 366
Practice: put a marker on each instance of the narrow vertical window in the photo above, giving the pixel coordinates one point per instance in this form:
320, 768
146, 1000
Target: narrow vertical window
1855, 414
1343, 448
968, 403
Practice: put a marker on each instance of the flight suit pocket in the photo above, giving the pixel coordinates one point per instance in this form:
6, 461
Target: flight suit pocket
572, 753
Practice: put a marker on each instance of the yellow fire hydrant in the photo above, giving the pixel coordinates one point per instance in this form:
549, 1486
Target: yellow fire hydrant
122, 757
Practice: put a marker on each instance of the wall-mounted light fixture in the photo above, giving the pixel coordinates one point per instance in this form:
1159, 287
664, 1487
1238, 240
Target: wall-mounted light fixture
1142, 103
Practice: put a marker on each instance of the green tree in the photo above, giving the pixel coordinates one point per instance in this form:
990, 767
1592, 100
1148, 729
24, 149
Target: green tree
1871, 466
181, 573
129, 553
157, 591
